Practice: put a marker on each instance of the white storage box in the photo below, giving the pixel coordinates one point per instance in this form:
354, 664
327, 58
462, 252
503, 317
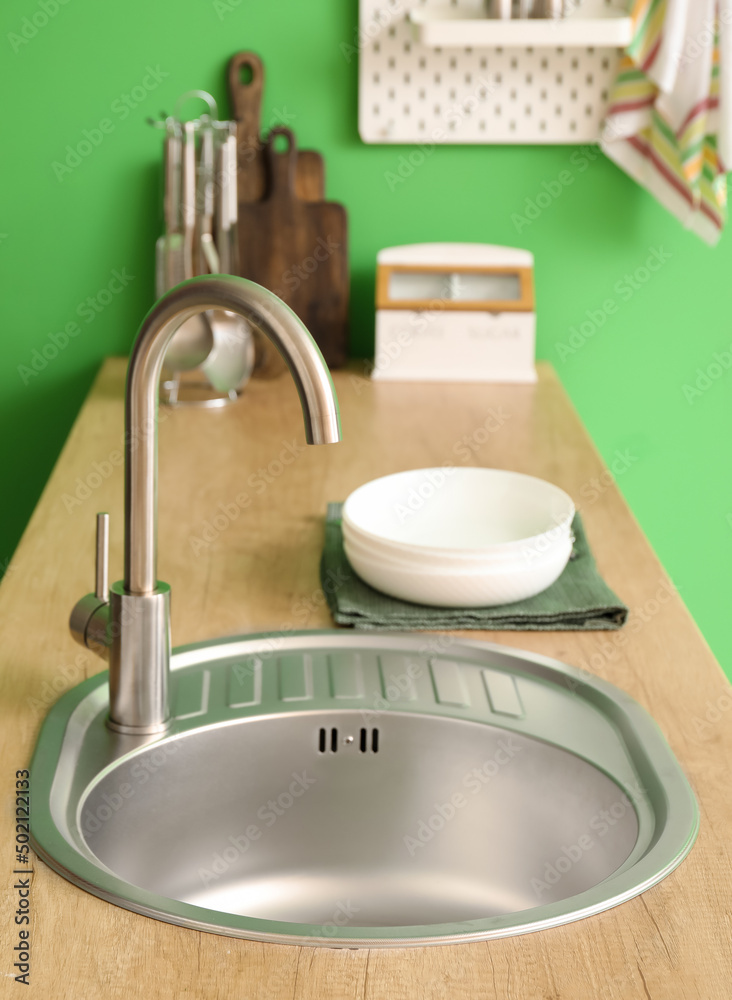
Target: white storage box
455, 312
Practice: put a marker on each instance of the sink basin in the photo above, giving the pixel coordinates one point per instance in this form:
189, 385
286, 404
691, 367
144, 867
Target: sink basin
360, 790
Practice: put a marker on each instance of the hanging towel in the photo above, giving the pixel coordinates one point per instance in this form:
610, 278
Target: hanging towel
669, 122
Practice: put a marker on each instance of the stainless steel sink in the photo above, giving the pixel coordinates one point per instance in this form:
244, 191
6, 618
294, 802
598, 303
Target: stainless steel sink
358, 790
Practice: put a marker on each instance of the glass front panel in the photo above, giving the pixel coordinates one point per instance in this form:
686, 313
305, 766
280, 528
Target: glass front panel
453, 286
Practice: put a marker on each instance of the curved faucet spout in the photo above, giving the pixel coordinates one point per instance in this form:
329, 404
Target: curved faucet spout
277, 322
130, 622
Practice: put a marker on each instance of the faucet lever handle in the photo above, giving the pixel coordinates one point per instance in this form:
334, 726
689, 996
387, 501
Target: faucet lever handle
101, 581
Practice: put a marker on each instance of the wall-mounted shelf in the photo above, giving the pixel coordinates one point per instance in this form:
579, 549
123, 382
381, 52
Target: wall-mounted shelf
430, 77
449, 27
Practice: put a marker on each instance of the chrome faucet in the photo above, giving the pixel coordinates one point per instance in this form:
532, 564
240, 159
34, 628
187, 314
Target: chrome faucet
130, 622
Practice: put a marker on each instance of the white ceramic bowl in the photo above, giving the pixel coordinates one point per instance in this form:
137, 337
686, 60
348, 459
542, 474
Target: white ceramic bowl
482, 587
416, 558
462, 512
458, 537
514, 560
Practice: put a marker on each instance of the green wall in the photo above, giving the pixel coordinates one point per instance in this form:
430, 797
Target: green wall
63, 234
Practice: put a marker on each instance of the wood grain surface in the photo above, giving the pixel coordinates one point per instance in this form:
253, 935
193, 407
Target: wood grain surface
245, 77
671, 943
246, 110
299, 250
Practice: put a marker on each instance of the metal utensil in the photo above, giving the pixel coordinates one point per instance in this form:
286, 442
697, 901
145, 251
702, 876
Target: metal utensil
501, 9
192, 342
208, 256
169, 247
553, 9
231, 360
227, 206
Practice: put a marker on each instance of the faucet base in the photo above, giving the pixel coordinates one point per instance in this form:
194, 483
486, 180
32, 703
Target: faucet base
139, 660
118, 727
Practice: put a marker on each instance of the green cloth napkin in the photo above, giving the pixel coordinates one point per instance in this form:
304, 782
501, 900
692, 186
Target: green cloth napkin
580, 600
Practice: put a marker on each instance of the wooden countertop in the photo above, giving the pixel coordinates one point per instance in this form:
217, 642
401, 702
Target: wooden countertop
261, 571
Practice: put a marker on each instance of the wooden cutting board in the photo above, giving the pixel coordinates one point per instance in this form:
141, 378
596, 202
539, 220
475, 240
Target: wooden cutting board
298, 249
245, 74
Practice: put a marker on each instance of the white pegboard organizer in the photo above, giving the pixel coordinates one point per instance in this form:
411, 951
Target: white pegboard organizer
413, 93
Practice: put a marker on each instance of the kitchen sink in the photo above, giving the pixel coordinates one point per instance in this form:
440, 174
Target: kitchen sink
362, 790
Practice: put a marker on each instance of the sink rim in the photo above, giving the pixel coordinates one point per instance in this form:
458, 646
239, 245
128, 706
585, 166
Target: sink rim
86, 704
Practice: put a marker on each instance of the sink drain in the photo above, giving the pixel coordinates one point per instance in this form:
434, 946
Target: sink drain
331, 739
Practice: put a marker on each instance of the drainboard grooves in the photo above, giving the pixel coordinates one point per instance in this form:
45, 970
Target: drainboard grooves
450, 687
502, 693
296, 677
245, 683
398, 674
191, 694
346, 675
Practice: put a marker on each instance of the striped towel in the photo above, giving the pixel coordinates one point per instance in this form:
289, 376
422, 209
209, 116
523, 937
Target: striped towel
669, 123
